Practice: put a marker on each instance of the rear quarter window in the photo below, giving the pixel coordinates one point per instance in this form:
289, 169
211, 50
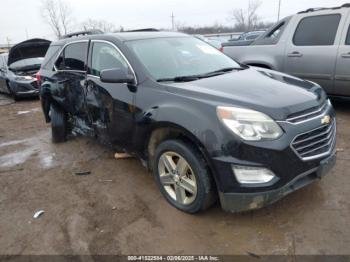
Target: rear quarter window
317, 30
50, 57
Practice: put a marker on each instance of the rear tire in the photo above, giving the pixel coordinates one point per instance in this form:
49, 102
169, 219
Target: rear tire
197, 185
58, 124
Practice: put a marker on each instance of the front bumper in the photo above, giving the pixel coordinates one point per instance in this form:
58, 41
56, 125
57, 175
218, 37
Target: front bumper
237, 202
287, 157
25, 88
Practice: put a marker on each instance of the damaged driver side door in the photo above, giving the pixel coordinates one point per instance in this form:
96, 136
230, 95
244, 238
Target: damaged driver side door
110, 105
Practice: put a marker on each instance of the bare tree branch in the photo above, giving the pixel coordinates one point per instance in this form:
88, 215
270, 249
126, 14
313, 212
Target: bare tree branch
246, 19
65, 16
92, 24
58, 15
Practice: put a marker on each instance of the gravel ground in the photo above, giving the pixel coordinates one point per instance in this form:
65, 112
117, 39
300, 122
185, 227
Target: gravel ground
119, 210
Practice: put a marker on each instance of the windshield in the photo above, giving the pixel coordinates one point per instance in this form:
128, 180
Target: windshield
27, 62
182, 56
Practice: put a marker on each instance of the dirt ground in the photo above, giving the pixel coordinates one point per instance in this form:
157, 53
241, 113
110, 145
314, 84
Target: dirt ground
119, 210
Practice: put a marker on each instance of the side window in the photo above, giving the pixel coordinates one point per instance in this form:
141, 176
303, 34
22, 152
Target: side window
276, 32
273, 35
105, 56
73, 57
347, 42
317, 30
50, 57
59, 64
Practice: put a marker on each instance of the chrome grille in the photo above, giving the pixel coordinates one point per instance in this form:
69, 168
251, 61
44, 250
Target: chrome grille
315, 143
309, 113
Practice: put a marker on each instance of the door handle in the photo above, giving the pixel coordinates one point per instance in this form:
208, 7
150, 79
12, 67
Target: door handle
346, 55
295, 54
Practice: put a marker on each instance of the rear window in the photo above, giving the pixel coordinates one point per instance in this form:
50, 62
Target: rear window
27, 62
50, 57
317, 30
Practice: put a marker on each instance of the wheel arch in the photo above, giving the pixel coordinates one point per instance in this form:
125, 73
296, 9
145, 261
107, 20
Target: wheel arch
162, 131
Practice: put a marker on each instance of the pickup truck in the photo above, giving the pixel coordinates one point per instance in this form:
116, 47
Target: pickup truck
313, 44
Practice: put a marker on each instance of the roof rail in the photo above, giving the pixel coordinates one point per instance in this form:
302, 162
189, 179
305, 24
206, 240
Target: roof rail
143, 30
81, 33
347, 5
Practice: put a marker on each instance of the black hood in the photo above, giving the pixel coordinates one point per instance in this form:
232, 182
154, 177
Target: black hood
32, 48
276, 94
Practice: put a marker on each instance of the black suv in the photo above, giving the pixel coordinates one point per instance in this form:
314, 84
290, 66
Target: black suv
207, 126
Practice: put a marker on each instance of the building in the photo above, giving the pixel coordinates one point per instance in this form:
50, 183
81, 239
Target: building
4, 48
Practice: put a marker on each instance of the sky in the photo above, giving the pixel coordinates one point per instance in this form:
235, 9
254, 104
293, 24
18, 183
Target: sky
21, 19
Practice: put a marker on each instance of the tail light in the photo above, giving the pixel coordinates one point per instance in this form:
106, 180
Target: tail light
221, 49
38, 79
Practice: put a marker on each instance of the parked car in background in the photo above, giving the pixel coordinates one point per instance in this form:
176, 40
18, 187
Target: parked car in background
3, 73
213, 42
244, 40
313, 44
207, 126
23, 62
249, 36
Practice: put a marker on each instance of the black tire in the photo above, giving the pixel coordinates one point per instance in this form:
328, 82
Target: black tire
206, 191
58, 124
11, 92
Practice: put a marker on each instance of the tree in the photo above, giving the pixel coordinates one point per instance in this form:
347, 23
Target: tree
246, 19
58, 15
93, 24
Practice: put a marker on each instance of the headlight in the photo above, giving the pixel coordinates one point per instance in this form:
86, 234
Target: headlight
24, 78
249, 124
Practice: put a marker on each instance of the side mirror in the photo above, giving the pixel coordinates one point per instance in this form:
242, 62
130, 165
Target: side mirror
116, 75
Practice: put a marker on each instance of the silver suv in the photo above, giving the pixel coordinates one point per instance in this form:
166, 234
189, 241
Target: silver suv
313, 44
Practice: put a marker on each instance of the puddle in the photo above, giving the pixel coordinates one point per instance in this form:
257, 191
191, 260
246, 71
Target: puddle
47, 161
22, 112
5, 101
35, 146
37, 109
11, 143
15, 158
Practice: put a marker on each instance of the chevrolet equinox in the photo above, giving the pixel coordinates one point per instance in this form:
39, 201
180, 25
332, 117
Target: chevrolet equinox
207, 126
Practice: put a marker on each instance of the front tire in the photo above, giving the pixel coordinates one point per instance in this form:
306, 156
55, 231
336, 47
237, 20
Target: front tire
58, 124
183, 177
11, 92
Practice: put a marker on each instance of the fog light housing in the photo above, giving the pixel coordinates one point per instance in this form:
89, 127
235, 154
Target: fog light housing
253, 175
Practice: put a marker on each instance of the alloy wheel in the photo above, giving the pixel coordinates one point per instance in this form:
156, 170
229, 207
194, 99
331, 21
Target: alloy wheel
177, 178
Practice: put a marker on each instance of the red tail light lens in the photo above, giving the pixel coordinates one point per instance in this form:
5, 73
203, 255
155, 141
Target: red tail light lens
221, 49
38, 79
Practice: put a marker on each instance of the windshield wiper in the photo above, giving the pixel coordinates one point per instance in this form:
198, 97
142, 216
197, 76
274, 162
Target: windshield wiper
223, 70
196, 77
179, 79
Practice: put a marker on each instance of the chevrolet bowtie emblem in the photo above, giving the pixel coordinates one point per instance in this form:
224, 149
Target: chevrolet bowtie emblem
326, 120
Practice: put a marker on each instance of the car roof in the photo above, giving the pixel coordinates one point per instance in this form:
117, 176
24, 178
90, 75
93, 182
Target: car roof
122, 36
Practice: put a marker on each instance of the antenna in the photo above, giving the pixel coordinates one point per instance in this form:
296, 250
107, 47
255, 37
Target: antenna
173, 21
279, 10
